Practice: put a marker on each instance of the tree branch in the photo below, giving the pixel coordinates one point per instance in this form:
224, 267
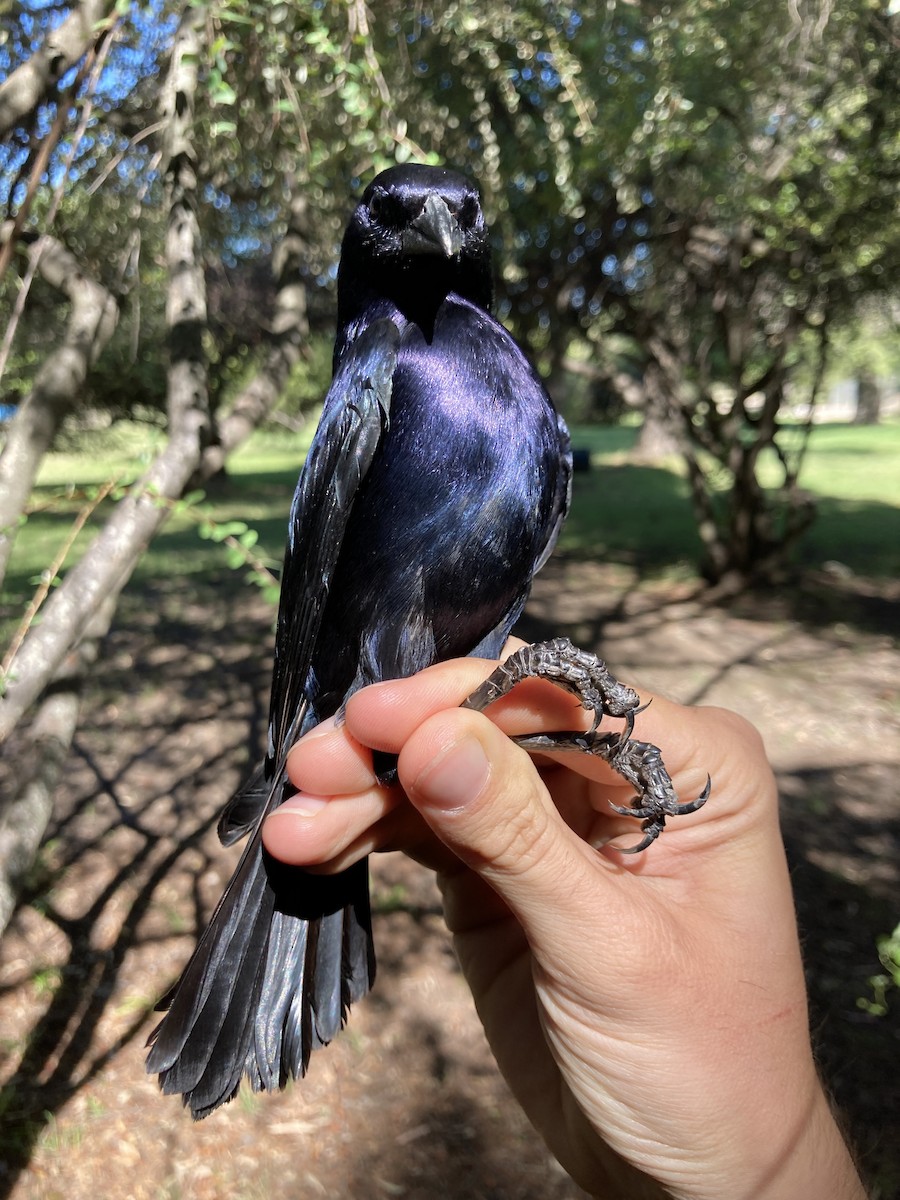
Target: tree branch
57, 388
23, 821
24, 89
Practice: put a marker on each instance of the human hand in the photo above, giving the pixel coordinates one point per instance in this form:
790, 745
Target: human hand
660, 998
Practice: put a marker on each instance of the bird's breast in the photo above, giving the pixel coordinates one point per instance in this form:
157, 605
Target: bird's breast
455, 511
469, 465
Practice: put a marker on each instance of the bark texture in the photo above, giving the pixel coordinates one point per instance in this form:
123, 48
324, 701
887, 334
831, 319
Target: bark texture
24, 89
57, 388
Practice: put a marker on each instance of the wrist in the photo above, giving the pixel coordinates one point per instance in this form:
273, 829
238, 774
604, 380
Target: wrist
818, 1165
812, 1162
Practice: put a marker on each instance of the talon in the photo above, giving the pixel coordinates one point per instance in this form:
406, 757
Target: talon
652, 831
625, 735
694, 805
586, 677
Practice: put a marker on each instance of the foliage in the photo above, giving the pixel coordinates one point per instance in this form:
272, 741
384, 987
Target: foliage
868, 342
887, 980
698, 187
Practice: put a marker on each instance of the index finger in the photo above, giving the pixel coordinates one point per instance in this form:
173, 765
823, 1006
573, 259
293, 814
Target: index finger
335, 758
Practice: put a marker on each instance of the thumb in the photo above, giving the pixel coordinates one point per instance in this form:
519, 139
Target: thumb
484, 799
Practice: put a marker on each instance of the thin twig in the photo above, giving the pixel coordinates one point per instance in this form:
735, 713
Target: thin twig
93, 67
51, 572
117, 158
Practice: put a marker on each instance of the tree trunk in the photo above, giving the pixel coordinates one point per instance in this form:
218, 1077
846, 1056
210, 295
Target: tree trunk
57, 388
868, 399
187, 389
658, 438
24, 89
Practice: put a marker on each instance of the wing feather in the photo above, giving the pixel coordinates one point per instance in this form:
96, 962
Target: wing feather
264, 985
356, 414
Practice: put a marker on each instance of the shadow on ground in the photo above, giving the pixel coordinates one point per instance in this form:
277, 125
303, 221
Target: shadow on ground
407, 1102
844, 849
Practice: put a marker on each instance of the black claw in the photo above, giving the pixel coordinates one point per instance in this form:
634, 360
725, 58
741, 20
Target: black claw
598, 691
698, 803
652, 832
625, 735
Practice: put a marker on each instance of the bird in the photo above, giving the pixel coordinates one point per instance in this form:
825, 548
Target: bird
434, 490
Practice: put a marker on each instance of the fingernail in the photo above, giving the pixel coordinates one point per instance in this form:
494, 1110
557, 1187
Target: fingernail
301, 805
457, 777
327, 726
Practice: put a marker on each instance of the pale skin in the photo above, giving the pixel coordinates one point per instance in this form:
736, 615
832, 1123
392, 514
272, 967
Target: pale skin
661, 996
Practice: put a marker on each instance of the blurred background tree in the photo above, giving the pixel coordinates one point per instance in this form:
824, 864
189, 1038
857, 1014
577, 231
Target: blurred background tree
693, 205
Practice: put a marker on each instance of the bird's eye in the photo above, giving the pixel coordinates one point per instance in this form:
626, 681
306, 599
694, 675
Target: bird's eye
387, 209
468, 212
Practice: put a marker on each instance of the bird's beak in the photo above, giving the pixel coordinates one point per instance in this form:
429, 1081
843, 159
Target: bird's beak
434, 231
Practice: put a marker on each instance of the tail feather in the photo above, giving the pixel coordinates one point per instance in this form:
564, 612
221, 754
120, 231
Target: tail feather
242, 812
278, 1054
221, 1073
219, 981
283, 957
358, 964
327, 1007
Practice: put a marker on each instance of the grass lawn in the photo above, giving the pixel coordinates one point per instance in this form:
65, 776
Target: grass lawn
621, 513
642, 515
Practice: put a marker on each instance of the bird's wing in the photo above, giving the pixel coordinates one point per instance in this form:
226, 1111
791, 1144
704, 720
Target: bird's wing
267, 983
563, 493
355, 415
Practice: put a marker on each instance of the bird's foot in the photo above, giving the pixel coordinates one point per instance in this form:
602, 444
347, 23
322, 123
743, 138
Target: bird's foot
598, 691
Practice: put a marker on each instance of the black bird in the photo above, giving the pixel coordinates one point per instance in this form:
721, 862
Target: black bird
435, 488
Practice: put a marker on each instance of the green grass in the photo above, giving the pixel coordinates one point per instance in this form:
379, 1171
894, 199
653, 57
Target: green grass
622, 513
641, 515
858, 463
854, 473
258, 490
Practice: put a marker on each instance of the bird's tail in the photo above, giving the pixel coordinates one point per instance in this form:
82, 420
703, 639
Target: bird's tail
282, 959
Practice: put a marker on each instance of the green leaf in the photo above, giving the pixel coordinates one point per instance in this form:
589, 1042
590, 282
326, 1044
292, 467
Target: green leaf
221, 92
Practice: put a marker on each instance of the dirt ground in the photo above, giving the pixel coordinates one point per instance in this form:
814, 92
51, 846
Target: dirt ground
407, 1101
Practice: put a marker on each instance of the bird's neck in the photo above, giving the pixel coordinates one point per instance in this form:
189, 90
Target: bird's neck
414, 291
414, 300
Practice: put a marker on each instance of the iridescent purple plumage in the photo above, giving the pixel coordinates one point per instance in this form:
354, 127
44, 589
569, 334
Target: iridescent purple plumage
434, 490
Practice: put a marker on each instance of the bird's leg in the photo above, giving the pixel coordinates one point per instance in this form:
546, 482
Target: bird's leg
598, 691
584, 675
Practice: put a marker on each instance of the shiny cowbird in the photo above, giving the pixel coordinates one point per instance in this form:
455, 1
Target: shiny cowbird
434, 490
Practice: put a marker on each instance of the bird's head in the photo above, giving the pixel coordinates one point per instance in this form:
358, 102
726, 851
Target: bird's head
417, 234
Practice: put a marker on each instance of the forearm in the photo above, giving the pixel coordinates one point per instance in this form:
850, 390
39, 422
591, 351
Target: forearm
818, 1166
777, 1148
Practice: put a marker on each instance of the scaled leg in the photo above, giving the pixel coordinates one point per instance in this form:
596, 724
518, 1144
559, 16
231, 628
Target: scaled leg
588, 679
